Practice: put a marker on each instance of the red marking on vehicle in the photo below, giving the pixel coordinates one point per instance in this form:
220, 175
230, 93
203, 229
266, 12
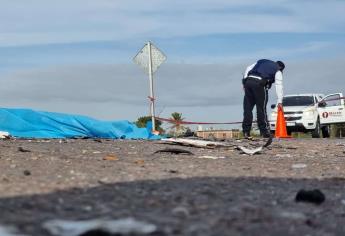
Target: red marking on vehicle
325, 114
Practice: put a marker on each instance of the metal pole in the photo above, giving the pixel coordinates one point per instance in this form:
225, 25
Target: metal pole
152, 107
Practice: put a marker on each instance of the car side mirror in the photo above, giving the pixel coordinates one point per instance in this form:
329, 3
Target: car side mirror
273, 106
322, 104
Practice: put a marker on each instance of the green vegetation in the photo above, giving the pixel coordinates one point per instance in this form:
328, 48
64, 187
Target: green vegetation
141, 123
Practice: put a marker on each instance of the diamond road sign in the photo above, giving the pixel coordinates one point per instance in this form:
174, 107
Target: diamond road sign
143, 59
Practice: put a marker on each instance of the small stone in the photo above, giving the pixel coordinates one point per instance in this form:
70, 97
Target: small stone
111, 157
104, 181
87, 208
283, 155
27, 172
13, 166
298, 166
139, 162
313, 196
180, 211
20, 149
293, 215
5, 179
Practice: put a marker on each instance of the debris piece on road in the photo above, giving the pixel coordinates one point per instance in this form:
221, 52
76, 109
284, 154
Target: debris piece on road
195, 143
111, 157
126, 226
314, 196
284, 155
4, 135
249, 151
173, 171
256, 150
21, 149
293, 215
26, 172
9, 231
298, 166
211, 157
176, 151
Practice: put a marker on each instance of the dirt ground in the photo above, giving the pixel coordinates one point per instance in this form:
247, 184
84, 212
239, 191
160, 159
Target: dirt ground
80, 179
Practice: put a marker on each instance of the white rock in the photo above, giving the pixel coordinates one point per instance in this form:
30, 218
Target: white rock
126, 226
298, 166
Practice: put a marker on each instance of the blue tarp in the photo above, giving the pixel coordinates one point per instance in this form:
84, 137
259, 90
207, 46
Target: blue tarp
27, 123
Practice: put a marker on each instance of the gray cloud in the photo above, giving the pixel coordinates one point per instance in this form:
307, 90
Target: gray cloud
120, 91
43, 22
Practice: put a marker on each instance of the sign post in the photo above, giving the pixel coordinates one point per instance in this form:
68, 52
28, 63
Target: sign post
150, 58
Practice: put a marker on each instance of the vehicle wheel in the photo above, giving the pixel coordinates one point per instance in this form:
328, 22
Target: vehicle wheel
325, 131
316, 132
289, 132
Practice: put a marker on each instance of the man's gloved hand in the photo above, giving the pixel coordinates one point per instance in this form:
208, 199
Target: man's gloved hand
280, 105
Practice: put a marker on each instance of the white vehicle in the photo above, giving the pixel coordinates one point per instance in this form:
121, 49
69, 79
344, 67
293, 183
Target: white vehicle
311, 113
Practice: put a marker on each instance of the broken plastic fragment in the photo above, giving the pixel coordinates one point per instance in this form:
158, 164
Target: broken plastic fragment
126, 226
250, 151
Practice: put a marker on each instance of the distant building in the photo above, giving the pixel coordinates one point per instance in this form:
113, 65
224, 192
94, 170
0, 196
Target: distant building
218, 134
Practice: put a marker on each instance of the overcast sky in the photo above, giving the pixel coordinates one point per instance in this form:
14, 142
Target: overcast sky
76, 56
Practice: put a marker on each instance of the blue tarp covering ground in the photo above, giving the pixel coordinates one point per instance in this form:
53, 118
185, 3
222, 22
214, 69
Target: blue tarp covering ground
27, 123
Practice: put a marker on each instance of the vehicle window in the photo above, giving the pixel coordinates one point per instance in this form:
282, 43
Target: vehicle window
333, 100
298, 101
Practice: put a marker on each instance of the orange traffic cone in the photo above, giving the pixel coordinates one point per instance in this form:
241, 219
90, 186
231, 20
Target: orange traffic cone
281, 125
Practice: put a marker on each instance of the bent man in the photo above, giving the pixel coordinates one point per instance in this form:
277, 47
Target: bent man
257, 80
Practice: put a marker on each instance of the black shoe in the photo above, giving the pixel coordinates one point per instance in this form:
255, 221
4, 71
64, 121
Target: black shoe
266, 135
247, 136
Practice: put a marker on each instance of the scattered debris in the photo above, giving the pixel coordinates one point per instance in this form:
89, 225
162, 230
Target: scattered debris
314, 196
196, 143
211, 157
111, 157
176, 151
98, 140
298, 166
21, 149
249, 151
126, 226
4, 135
173, 171
26, 172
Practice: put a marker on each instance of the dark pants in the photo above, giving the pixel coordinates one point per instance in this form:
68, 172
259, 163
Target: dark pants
255, 94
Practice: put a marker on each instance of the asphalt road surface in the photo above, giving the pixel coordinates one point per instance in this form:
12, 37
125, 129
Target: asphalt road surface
213, 192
